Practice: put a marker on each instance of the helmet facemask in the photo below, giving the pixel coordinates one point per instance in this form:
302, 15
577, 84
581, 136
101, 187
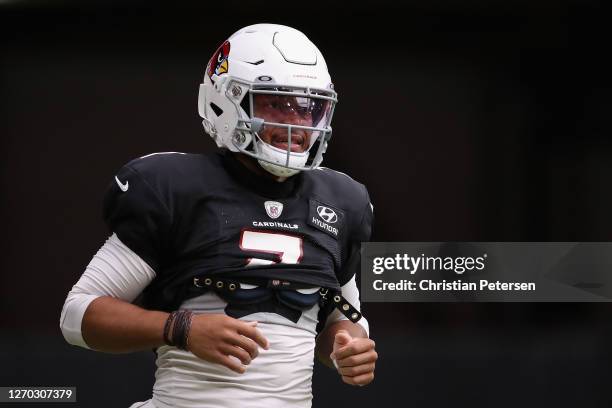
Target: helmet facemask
286, 128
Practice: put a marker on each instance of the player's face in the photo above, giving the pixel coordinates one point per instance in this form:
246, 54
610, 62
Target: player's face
291, 110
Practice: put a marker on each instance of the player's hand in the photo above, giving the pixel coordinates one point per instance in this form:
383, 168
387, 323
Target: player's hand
355, 358
217, 338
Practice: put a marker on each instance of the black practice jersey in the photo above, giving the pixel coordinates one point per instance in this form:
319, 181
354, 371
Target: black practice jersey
189, 215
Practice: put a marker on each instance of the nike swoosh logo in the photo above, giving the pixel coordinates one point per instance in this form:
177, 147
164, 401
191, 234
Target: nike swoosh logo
123, 187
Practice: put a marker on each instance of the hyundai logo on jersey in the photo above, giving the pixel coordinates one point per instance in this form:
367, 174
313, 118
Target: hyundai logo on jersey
327, 214
325, 218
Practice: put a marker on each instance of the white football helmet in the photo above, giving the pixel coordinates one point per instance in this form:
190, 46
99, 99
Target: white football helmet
269, 82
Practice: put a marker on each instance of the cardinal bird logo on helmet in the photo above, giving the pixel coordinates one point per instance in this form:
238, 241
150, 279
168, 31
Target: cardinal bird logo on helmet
219, 64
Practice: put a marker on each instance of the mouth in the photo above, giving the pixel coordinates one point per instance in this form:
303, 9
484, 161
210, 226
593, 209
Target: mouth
281, 141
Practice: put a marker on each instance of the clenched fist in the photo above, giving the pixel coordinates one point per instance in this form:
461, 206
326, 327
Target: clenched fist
354, 358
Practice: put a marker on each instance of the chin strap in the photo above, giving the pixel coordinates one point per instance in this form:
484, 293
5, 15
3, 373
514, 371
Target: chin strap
277, 170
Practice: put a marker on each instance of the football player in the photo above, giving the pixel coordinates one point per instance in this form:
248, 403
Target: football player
237, 266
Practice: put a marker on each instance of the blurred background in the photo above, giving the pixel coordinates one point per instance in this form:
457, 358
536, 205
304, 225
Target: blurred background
468, 120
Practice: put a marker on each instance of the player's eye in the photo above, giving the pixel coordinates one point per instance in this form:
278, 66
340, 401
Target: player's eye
287, 106
302, 111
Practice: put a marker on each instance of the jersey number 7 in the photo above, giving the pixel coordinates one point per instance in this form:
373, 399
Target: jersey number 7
287, 249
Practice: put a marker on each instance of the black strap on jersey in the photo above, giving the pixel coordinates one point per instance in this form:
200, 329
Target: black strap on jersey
339, 302
286, 298
331, 299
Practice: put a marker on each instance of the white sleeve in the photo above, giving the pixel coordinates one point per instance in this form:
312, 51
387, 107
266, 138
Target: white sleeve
351, 294
114, 271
